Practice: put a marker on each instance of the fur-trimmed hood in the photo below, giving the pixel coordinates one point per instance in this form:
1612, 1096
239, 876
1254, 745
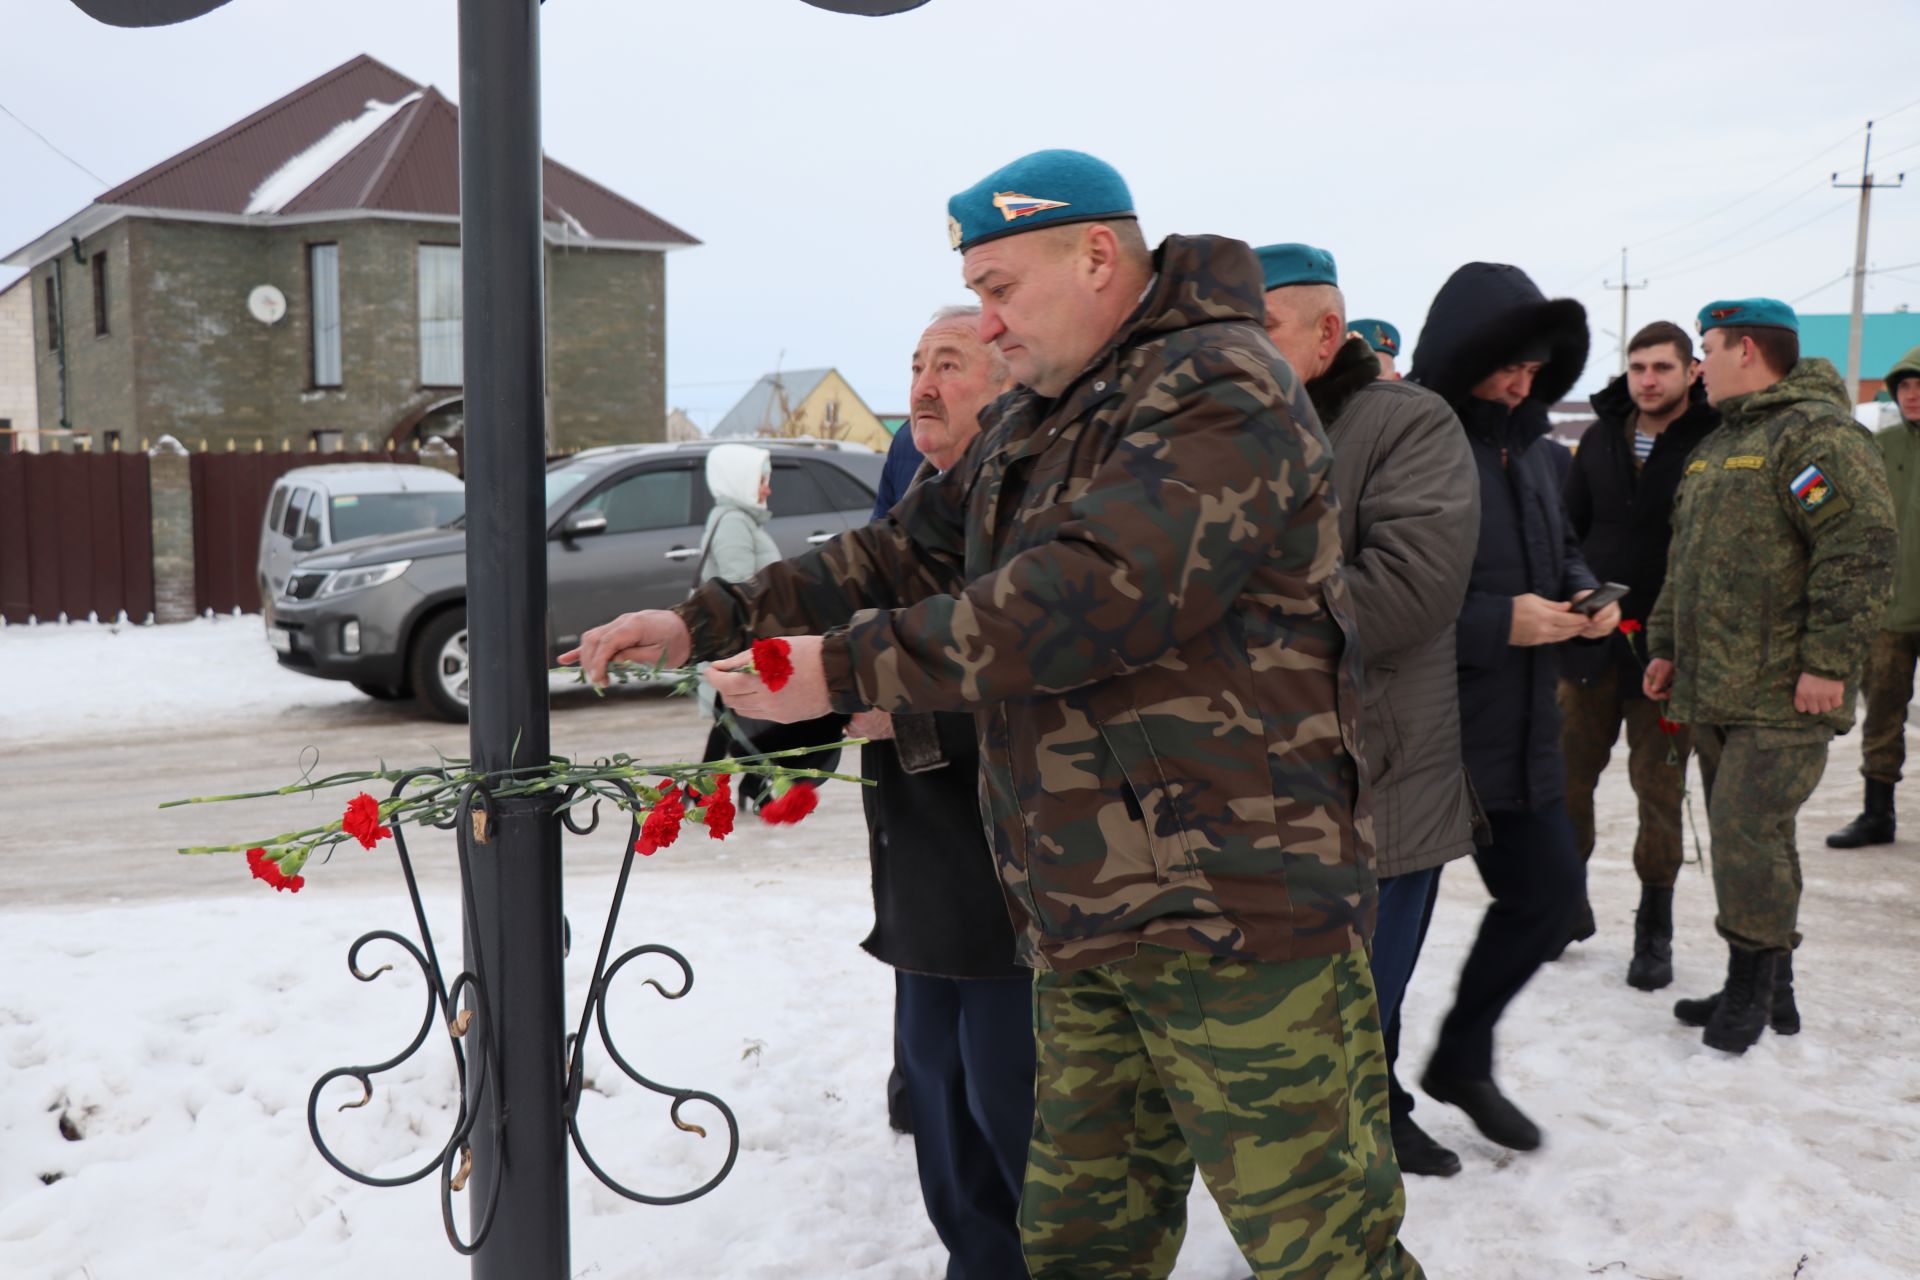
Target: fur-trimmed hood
1484, 317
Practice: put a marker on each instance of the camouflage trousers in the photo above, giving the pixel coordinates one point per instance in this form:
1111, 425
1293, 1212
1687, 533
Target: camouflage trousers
1889, 688
1270, 1076
1592, 717
1756, 780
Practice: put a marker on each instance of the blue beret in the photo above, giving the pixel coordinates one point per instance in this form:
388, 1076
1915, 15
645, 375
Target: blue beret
1045, 189
1380, 335
1761, 313
1285, 264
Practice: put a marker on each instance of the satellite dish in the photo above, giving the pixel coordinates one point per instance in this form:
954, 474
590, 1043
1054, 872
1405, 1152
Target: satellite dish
267, 304
865, 8
145, 13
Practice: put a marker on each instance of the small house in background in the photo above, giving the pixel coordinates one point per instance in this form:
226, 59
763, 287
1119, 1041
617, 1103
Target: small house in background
295, 280
19, 401
1884, 338
804, 402
681, 429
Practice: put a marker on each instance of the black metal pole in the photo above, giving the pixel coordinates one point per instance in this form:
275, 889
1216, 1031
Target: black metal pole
516, 874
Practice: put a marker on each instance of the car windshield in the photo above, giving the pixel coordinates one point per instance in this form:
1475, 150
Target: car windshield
362, 515
565, 480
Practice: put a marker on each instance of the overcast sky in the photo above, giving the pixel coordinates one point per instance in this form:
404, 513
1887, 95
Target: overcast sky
813, 153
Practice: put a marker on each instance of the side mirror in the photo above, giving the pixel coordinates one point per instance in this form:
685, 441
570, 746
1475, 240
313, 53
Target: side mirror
307, 541
583, 524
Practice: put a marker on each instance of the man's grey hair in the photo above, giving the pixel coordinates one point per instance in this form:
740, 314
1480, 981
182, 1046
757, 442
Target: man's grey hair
1002, 372
1311, 301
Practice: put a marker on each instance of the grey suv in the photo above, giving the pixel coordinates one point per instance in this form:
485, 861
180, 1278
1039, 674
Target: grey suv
623, 529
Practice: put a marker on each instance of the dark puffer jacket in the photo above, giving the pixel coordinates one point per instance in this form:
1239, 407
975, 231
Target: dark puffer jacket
1486, 316
1623, 516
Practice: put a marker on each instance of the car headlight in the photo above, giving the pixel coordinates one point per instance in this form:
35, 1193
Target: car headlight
341, 581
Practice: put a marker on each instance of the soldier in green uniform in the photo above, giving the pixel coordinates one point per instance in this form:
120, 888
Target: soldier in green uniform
1782, 560
1132, 579
1896, 649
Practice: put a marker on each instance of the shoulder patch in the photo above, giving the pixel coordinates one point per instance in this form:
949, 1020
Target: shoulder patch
1812, 489
1695, 467
1745, 462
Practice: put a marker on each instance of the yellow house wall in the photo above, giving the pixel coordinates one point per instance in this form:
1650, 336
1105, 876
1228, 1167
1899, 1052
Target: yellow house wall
854, 421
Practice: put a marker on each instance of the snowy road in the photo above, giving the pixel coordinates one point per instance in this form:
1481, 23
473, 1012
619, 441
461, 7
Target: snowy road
175, 1014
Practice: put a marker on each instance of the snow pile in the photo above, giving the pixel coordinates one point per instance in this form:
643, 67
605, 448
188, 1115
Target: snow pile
306, 168
100, 677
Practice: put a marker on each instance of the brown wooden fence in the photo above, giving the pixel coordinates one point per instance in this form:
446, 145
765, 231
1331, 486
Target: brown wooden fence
76, 537
229, 501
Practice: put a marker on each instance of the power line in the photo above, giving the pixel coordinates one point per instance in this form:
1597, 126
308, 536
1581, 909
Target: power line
1761, 244
1760, 190
1821, 185
49, 146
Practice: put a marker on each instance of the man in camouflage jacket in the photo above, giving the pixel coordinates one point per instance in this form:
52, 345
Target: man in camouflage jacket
1132, 580
1782, 560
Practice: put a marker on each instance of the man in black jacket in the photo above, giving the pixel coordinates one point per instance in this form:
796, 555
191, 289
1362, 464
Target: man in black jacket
963, 1007
1620, 499
1500, 353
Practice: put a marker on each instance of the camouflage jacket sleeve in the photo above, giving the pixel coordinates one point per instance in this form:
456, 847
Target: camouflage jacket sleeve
1660, 622
913, 553
1836, 493
1203, 485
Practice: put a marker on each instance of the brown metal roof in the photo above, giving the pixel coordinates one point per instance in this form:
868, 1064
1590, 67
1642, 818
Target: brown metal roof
409, 164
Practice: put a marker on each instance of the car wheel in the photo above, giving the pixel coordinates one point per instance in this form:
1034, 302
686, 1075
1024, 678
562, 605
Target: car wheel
439, 667
380, 692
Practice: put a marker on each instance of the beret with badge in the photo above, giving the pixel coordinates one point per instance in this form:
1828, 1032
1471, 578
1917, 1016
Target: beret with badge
1748, 313
1045, 189
1379, 335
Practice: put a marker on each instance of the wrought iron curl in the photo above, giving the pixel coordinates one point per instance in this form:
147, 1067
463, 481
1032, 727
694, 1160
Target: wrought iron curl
467, 1029
594, 1013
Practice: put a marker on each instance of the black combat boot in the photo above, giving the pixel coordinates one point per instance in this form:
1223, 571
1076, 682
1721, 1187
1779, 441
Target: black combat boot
1786, 1014
1652, 965
1746, 1002
1875, 823
1418, 1153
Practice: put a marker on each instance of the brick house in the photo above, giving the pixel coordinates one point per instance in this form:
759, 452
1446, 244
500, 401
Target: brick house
295, 280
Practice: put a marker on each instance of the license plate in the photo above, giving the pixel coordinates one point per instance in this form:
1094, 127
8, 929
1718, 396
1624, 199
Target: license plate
280, 640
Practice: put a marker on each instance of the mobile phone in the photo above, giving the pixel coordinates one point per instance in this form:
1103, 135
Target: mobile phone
1608, 593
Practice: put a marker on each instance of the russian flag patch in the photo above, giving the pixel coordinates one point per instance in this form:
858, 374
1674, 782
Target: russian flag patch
1811, 488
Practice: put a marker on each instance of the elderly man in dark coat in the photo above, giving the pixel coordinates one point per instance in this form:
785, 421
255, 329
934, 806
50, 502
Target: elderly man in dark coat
963, 1017
1500, 354
1409, 520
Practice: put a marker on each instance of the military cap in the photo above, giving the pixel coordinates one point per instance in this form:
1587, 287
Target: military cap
1379, 335
1045, 189
1749, 313
1285, 264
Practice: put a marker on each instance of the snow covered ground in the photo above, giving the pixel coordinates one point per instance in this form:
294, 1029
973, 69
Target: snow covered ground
157, 1053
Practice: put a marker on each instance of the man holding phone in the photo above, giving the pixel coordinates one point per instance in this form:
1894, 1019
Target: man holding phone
1500, 353
1619, 497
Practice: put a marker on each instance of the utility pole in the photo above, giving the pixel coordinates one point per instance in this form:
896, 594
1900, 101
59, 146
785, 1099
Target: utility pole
1857, 326
1624, 287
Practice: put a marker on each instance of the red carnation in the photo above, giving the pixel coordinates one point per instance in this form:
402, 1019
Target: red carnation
264, 867
720, 810
662, 826
1668, 727
362, 821
800, 801
1630, 627
772, 663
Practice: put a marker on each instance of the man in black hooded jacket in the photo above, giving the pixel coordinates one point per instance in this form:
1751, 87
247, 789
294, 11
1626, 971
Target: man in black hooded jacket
1500, 353
1620, 498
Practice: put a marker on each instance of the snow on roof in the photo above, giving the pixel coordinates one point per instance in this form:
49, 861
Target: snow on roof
307, 167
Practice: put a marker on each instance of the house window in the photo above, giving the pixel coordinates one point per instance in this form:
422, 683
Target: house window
6, 435
99, 294
53, 315
440, 315
323, 300
110, 441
